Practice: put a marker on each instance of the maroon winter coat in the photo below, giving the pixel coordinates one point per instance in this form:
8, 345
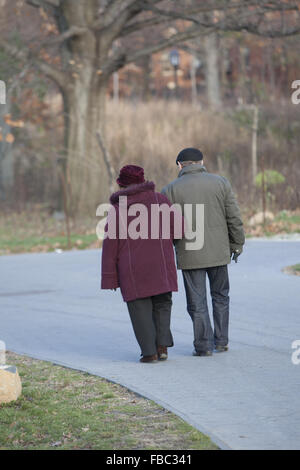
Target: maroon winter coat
140, 267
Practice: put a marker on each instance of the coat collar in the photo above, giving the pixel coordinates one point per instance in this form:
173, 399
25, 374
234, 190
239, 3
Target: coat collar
134, 189
193, 168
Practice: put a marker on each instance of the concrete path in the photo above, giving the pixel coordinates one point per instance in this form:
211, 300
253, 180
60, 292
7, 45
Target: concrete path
51, 308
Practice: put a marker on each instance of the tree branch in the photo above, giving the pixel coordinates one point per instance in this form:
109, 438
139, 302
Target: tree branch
122, 17
113, 8
121, 57
68, 34
176, 38
234, 22
108, 163
138, 25
49, 70
252, 29
55, 74
188, 15
42, 3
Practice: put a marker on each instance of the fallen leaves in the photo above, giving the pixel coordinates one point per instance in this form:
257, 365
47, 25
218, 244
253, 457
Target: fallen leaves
9, 138
12, 123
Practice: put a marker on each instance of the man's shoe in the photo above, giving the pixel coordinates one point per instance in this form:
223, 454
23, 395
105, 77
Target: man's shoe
149, 359
162, 352
221, 348
202, 353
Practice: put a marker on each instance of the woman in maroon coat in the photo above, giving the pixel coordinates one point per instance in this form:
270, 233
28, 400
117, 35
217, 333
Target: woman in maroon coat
138, 257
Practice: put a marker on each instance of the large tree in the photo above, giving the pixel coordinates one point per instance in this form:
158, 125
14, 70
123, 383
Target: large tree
88, 39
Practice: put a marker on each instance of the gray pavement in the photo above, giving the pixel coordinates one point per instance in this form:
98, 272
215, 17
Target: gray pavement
51, 307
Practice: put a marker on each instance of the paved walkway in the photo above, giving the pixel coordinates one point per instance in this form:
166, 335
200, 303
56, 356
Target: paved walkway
51, 308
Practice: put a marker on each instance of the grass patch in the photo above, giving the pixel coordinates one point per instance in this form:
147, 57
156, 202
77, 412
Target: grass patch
295, 269
65, 409
36, 230
290, 221
284, 222
45, 244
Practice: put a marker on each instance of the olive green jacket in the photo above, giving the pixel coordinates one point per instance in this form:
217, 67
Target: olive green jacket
223, 226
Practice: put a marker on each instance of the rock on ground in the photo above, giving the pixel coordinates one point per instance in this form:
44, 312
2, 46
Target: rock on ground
10, 384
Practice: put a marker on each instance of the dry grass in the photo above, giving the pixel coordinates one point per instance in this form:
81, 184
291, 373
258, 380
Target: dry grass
36, 230
152, 134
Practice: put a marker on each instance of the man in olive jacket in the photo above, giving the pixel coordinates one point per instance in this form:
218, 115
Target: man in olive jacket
223, 238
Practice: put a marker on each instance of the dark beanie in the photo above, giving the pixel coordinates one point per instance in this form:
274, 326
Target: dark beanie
189, 155
130, 174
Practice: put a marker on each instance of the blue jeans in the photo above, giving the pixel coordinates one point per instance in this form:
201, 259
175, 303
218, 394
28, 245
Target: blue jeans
195, 287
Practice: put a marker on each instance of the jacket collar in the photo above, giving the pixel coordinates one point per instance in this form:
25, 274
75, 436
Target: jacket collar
193, 168
130, 190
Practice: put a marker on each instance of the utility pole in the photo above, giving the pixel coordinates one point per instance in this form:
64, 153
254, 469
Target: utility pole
174, 59
193, 81
213, 87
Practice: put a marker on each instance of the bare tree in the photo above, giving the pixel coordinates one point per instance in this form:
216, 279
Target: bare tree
87, 30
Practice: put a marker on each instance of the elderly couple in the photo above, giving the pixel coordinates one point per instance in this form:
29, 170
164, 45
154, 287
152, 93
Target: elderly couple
144, 267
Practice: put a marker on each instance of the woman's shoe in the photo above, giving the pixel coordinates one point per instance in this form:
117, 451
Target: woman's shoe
162, 352
202, 353
221, 348
149, 359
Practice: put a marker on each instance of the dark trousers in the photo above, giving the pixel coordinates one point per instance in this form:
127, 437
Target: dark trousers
195, 287
150, 318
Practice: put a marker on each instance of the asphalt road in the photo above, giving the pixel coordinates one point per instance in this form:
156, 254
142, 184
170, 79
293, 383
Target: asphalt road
51, 307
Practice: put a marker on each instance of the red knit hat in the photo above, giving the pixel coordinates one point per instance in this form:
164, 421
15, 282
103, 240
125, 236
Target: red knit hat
130, 174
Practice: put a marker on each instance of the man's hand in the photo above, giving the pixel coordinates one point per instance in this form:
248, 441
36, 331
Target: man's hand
235, 254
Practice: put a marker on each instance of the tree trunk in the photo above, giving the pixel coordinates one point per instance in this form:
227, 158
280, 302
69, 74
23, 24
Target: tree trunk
271, 70
7, 177
86, 174
84, 108
212, 71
